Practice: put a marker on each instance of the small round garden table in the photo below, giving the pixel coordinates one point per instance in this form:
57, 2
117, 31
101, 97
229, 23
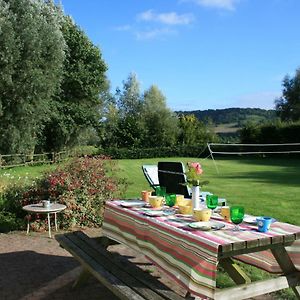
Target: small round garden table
38, 208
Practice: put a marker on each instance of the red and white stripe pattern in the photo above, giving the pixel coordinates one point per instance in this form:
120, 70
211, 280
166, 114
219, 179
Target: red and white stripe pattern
189, 256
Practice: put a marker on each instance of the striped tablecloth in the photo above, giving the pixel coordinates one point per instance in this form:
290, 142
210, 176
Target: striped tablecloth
189, 256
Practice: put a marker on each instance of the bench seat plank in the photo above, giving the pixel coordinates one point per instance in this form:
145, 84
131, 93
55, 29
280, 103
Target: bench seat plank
122, 277
135, 271
105, 277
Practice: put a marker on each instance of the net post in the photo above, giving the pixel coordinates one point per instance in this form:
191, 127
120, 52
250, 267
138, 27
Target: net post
211, 154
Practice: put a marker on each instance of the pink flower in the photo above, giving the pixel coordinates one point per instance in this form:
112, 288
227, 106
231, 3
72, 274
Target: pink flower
194, 174
197, 167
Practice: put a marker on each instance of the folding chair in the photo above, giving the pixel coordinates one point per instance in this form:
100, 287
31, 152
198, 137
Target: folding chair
172, 176
151, 174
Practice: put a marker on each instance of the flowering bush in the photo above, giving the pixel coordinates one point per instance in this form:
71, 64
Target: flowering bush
194, 174
83, 185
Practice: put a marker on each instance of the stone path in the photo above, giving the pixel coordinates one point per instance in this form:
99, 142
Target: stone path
34, 267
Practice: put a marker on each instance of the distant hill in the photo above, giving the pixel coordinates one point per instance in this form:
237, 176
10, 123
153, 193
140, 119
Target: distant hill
237, 117
228, 121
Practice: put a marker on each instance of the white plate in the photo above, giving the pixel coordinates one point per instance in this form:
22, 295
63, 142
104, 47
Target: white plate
252, 219
154, 213
132, 203
184, 216
206, 225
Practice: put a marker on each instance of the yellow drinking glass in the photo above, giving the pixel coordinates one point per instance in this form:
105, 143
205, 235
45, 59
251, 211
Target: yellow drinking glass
185, 209
156, 201
202, 215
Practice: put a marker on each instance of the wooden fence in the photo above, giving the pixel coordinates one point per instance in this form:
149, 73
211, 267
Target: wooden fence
15, 160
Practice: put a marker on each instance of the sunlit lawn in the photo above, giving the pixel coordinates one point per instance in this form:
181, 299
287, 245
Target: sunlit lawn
263, 186
25, 174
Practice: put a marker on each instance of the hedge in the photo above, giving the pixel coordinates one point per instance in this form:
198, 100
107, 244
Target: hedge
138, 153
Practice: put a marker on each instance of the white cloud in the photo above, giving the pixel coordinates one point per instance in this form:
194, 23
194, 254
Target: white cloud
170, 18
154, 33
221, 4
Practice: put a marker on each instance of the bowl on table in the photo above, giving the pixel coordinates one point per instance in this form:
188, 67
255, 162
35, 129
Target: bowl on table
156, 201
183, 201
185, 209
202, 215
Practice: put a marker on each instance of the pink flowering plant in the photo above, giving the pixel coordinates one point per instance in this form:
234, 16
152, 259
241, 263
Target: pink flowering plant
194, 174
83, 185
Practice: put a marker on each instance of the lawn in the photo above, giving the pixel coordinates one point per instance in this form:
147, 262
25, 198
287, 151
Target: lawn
24, 174
263, 186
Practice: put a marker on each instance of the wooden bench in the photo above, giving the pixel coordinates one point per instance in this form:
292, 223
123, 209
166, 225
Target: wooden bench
122, 277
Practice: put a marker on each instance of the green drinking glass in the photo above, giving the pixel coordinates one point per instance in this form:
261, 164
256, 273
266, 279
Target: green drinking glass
170, 199
212, 201
160, 191
237, 216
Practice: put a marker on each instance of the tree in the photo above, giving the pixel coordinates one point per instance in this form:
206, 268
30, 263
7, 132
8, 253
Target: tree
195, 132
129, 131
31, 56
188, 130
78, 106
288, 105
129, 101
160, 123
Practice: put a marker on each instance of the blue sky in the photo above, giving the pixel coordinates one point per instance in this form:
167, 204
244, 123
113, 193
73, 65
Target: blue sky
202, 54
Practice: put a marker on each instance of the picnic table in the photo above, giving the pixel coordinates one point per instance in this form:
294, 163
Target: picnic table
191, 257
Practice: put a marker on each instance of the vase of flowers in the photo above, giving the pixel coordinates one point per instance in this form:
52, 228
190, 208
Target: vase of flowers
196, 196
193, 179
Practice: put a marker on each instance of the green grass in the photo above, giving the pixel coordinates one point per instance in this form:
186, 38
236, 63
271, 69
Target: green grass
263, 186
22, 175
226, 128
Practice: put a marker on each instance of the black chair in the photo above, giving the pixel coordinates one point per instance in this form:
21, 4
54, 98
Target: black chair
172, 176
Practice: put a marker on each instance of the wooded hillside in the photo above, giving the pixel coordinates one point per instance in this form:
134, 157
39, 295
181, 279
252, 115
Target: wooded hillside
239, 116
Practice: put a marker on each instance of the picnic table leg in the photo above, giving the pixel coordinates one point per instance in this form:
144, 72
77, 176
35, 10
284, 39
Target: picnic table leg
234, 271
286, 265
82, 278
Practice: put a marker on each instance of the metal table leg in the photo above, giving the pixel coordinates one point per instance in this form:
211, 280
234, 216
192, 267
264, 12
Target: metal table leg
55, 221
49, 226
28, 225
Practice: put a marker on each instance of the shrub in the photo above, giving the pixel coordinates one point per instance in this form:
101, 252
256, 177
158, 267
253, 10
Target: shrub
11, 213
83, 184
273, 133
